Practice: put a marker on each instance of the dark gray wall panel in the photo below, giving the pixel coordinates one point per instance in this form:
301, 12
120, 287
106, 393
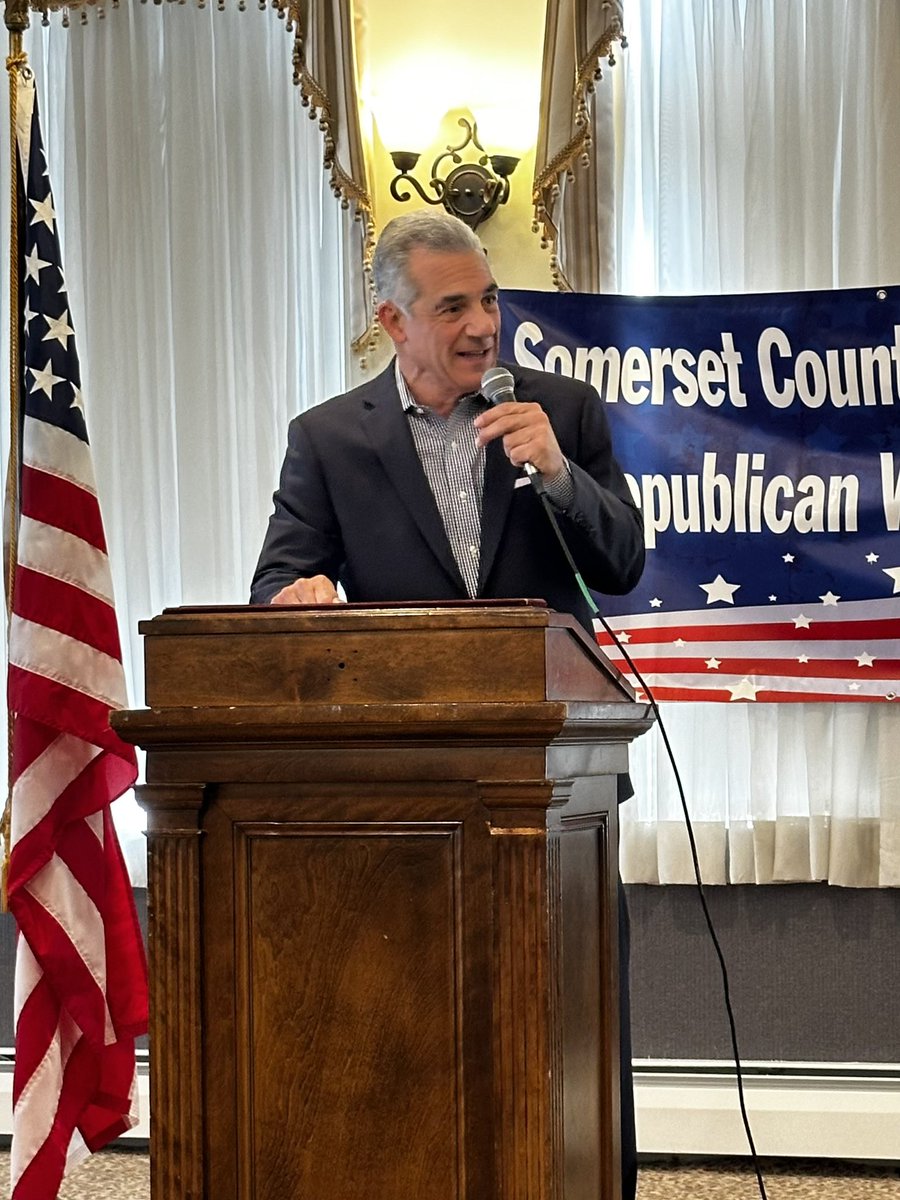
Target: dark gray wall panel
815, 973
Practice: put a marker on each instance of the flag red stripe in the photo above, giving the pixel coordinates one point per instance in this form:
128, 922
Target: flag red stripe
82, 852
124, 941
121, 932
31, 740
63, 966
65, 708
63, 504
68, 609
33, 850
100, 1120
43, 1176
40, 1013
97, 1109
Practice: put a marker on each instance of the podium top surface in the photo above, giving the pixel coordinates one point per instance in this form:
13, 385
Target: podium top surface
461, 652
209, 618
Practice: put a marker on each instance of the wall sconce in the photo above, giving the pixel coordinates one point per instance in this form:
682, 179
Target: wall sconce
469, 190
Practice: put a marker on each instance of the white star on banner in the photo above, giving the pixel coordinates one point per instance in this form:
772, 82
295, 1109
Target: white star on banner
58, 328
894, 573
773, 598
829, 598
745, 690
43, 211
720, 589
788, 558
871, 558
77, 400
864, 660
801, 621
34, 264
804, 658
656, 602
624, 636
713, 664
28, 314
680, 642
45, 379
854, 687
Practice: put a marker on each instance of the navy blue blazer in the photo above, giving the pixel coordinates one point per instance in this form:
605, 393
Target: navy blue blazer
354, 504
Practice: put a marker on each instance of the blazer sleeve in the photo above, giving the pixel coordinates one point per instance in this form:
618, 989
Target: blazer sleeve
604, 527
303, 537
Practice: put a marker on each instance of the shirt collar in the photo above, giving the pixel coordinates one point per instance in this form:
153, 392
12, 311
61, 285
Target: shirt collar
408, 400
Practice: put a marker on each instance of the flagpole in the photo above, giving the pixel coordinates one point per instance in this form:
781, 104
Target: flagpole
16, 16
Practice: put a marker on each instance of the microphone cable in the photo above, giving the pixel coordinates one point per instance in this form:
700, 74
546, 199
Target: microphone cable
538, 485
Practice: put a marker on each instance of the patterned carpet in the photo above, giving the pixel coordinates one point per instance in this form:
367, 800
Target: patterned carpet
115, 1175
125, 1176
110, 1175
729, 1179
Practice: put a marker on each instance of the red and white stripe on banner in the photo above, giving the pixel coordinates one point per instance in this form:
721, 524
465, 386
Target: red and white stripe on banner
845, 651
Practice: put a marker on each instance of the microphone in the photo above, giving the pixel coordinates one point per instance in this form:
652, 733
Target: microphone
497, 386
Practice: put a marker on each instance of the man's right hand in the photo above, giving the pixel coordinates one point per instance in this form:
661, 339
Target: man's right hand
317, 590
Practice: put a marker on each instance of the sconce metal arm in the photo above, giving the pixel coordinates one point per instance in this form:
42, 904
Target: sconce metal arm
470, 190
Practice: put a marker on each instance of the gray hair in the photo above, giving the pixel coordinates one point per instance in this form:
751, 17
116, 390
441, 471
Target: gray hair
439, 231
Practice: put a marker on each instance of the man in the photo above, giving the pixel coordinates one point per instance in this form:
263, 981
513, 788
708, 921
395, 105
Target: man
405, 488
410, 486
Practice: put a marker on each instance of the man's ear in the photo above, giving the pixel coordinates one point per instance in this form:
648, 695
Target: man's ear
391, 319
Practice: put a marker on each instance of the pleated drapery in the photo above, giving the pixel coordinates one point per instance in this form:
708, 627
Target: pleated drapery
747, 146
205, 259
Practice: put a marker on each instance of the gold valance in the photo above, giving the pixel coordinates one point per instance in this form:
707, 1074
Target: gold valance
579, 35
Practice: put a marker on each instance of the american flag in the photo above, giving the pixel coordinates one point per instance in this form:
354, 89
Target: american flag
81, 981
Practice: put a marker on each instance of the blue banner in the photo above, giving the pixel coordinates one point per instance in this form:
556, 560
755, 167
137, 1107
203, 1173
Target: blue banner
758, 434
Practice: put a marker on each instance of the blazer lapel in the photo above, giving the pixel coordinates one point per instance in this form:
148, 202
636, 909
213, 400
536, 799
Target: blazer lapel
387, 427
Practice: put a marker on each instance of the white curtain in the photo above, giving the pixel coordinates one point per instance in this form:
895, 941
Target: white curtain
204, 260
757, 147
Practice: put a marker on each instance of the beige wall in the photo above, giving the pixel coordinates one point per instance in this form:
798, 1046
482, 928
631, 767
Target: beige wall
419, 61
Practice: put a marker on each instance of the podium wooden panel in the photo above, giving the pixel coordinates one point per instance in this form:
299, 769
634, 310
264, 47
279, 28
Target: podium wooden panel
382, 855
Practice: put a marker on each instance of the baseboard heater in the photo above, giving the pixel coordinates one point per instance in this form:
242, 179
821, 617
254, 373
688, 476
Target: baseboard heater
797, 1110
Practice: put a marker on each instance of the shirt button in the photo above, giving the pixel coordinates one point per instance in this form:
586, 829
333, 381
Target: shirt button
463, 495
473, 550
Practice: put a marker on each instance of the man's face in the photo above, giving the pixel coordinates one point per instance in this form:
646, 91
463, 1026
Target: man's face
450, 335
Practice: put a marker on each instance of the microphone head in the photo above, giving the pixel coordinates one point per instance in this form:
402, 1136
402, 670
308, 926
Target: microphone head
497, 385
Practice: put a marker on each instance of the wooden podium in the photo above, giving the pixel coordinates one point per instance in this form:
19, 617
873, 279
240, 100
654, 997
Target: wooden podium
382, 855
